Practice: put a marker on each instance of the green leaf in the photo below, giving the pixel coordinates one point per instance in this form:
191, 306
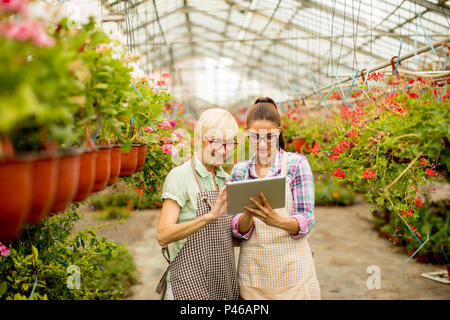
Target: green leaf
3, 288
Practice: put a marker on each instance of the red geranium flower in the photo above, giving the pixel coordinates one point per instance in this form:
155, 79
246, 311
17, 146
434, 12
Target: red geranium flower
369, 174
339, 173
430, 172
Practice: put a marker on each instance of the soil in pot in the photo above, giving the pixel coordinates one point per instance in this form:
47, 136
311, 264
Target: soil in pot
16, 179
129, 161
67, 180
45, 173
115, 164
86, 177
141, 157
102, 168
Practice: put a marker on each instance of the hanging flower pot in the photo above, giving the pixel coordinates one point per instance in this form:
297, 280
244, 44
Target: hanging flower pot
299, 144
129, 161
141, 157
67, 180
15, 196
45, 173
115, 164
102, 168
86, 176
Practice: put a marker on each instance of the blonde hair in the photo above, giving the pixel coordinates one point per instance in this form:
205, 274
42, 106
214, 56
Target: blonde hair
216, 122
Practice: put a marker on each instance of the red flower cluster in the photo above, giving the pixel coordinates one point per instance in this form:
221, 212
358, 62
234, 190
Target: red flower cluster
315, 148
413, 95
369, 174
423, 161
419, 202
409, 214
416, 231
334, 157
338, 149
430, 172
165, 75
345, 113
339, 173
335, 96
353, 133
419, 79
160, 83
140, 192
375, 76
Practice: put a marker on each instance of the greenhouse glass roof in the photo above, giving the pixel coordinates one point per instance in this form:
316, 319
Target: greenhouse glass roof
223, 52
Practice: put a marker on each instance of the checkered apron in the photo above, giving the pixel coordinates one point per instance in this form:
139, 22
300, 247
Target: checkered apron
205, 268
272, 262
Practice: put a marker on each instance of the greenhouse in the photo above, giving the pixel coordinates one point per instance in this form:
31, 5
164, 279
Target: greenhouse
224, 150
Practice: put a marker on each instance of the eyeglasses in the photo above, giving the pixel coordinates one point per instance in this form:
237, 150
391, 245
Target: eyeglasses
217, 144
257, 138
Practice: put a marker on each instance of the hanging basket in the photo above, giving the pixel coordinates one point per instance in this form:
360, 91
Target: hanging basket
45, 173
129, 161
67, 180
141, 157
102, 168
86, 177
116, 162
15, 196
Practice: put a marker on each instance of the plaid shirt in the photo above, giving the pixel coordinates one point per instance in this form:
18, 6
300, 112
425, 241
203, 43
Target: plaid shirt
301, 181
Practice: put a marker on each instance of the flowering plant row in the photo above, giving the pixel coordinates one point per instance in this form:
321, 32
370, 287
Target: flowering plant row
385, 145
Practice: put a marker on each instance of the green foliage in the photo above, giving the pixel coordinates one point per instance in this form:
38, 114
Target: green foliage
330, 191
151, 178
44, 251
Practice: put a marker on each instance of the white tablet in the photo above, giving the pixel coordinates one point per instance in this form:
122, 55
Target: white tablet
273, 188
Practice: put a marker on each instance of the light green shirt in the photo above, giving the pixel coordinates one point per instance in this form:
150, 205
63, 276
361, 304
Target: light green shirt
181, 186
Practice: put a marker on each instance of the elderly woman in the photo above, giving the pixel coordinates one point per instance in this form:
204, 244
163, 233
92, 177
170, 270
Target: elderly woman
202, 264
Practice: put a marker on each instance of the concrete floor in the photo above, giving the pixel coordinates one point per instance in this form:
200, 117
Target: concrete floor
344, 245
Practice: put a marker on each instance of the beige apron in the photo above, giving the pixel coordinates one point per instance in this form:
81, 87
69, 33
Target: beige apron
273, 265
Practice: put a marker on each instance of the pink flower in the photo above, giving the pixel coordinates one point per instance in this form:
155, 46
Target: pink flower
16, 6
148, 129
167, 148
4, 251
28, 30
167, 141
21, 31
165, 125
172, 123
41, 39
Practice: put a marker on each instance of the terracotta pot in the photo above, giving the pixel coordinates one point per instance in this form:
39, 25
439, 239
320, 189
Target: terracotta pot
141, 157
299, 144
437, 258
67, 180
102, 168
86, 177
16, 178
115, 164
45, 173
129, 161
424, 258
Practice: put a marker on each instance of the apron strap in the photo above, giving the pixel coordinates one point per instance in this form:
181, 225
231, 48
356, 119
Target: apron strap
284, 164
200, 186
197, 178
